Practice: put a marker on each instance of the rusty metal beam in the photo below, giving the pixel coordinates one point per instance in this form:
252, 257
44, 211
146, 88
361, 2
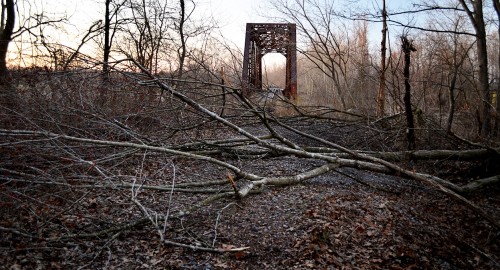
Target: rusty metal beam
263, 38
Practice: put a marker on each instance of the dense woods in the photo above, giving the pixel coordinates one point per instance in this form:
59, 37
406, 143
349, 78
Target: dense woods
133, 146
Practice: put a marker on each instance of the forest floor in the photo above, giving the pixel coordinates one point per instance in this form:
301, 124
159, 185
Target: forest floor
344, 219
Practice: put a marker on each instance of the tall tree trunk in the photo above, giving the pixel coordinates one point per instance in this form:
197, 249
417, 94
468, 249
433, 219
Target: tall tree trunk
451, 97
6, 34
336, 83
484, 80
107, 43
496, 4
477, 19
223, 86
182, 49
383, 49
457, 62
407, 49
8, 94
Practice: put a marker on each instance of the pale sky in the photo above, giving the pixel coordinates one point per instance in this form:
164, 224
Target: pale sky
232, 16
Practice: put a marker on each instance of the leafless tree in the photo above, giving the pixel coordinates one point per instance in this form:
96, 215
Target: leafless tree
408, 48
7, 21
157, 32
182, 49
383, 52
454, 56
474, 10
442, 72
92, 32
8, 32
496, 4
145, 31
72, 170
325, 41
111, 25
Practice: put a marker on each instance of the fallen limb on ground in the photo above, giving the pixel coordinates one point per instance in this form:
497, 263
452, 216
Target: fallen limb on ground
362, 161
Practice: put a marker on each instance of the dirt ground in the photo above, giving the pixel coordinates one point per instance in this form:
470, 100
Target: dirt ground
346, 219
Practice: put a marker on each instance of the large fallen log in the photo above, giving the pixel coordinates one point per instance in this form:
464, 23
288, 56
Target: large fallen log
462, 155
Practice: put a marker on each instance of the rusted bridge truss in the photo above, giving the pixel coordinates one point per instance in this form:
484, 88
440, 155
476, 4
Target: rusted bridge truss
263, 38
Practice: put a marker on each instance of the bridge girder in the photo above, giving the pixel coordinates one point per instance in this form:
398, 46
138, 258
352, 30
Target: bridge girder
263, 38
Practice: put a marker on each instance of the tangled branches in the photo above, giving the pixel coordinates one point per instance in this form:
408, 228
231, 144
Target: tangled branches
89, 160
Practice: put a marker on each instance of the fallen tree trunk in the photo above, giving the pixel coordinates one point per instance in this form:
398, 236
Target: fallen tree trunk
463, 155
285, 181
435, 182
250, 182
480, 184
362, 161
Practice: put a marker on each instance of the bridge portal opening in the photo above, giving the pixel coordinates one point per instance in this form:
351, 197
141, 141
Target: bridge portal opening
274, 70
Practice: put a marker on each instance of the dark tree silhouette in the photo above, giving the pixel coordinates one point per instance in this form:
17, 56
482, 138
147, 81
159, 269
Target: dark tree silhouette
7, 92
496, 4
383, 51
111, 22
474, 11
6, 30
182, 50
107, 42
407, 49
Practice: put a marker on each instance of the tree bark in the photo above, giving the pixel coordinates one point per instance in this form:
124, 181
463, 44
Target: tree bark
462, 155
107, 43
407, 49
8, 95
496, 4
480, 184
6, 34
182, 49
477, 19
383, 50
451, 98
